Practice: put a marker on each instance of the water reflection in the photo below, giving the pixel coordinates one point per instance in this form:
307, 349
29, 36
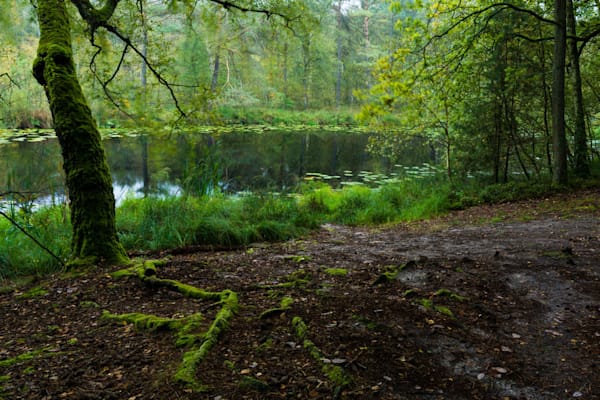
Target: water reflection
196, 163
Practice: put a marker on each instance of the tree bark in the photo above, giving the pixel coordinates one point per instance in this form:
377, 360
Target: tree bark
338, 81
560, 176
582, 168
88, 177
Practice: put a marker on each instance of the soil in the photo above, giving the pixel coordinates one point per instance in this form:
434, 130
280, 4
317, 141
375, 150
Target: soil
493, 302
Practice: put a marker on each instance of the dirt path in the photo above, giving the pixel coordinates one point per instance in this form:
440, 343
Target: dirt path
490, 303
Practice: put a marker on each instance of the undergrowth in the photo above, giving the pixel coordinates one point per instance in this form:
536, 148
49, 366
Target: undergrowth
154, 223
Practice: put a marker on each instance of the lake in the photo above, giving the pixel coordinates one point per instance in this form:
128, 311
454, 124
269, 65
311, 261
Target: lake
232, 160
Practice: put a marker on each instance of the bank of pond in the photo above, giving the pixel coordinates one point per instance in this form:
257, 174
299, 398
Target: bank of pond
221, 189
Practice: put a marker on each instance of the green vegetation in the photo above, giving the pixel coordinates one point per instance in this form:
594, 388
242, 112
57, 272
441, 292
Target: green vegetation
335, 373
229, 221
187, 330
285, 305
336, 271
30, 355
34, 292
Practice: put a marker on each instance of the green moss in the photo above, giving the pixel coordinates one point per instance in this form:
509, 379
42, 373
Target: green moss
443, 310
30, 355
34, 292
186, 328
449, 294
365, 321
265, 346
186, 373
336, 271
391, 272
429, 304
146, 322
298, 258
89, 304
286, 304
334, 373
88, 178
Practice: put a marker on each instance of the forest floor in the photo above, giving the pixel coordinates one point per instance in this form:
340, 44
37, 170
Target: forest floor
493, 302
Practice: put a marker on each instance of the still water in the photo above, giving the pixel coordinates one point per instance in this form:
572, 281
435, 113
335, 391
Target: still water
241, 160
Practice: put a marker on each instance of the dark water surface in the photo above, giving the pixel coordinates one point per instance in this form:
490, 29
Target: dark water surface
241, 160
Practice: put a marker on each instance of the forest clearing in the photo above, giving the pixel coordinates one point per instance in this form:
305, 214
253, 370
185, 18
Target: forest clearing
492, 302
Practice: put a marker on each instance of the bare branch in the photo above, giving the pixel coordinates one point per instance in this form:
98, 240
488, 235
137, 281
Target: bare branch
154, 71
10, 79
105, 84
230, 5
30, 236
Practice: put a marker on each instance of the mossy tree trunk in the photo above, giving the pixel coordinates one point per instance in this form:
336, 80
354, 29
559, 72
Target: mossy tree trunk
560, 148
88, 177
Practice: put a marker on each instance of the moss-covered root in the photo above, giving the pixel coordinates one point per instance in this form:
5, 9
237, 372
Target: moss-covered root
285, 305
30, 355
335, 373
186, 373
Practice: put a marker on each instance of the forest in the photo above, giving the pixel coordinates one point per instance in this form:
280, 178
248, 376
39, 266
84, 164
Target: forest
312, 199
472, 81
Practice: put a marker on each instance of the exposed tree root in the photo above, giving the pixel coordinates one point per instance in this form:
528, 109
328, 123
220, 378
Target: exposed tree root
186, 328
334, 372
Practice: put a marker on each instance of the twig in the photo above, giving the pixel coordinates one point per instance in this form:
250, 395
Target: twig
16, 224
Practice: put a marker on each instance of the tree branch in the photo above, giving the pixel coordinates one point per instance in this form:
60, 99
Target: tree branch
93, 16
230, 5
105, 84
30, 236
154, 71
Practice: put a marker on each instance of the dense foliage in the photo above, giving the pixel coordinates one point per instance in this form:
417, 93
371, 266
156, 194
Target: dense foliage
478, 81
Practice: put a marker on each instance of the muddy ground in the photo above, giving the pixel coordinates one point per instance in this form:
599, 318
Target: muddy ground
497, 302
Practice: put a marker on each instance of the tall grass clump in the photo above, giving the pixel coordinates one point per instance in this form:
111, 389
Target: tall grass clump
391, 200
20, 255
155, 224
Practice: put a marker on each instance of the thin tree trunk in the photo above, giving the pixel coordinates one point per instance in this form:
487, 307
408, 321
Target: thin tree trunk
215, 75
306, 72
88, 177
338, 82
582, 168
285, 74
560, 176
367, 35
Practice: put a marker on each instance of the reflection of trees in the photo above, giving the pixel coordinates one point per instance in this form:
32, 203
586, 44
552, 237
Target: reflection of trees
31, 169
246, 160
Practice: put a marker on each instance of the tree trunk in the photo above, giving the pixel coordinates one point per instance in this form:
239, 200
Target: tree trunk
558, 94
582, 168
88, 177
338, 81
285, 75
306, 72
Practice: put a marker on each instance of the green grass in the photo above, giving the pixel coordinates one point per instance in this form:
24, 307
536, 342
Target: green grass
20, 256
165, 223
